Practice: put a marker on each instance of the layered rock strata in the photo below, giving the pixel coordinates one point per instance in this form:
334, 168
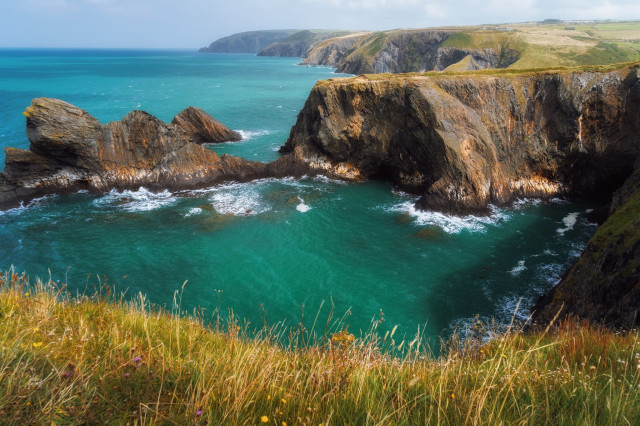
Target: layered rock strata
203, 128
466, 141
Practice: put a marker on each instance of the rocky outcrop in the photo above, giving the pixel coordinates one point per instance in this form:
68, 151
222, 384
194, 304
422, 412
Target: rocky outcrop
299, 44
466, 141
604, 284
247, 42
70, 150
333, 52
403, 51
202, 128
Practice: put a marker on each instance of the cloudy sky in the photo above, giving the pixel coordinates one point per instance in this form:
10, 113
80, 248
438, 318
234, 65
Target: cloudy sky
196, 23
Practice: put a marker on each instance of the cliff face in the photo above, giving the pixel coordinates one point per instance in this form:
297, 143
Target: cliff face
247, 42
334, 51
604, 284
466, 141
71, 150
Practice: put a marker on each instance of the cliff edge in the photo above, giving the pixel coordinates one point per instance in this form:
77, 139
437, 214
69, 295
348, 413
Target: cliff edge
466, 141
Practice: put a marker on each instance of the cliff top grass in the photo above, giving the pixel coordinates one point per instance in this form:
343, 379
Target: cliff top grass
78, 360
550, 43
489, 72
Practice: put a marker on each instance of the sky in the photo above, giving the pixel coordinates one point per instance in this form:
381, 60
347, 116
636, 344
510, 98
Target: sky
195, 23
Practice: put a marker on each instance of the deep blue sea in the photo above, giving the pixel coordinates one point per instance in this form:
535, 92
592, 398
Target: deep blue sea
273, 247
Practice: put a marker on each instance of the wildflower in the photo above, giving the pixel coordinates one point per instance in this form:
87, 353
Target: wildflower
264, 419
198, 412
453, 396
268, 397
137, 359
28, 403
284, 401
284, 423
26, 294
126, 374
37, 344
36, 329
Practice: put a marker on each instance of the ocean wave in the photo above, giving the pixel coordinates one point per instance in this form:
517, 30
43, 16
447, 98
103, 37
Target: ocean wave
517, 270
451, 224
569, 222
194, 211
248, 135
302, 207
136, 201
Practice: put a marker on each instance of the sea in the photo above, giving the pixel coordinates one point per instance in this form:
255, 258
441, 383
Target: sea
274, 251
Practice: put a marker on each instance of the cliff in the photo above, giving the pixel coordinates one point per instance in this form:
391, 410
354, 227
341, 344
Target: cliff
464, 141
407, 51
298, 45
604, 284
70, 150
521, 46
247, 42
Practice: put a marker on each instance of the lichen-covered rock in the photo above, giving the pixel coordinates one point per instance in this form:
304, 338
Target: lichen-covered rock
203, 128
467, 141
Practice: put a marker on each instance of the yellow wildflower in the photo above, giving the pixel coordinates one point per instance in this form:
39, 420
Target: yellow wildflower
264, 419
36, 329
284, 423
27, 294
268, 397
284, 401
37, 344
453, 396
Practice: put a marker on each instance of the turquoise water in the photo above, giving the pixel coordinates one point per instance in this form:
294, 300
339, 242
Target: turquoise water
271, 245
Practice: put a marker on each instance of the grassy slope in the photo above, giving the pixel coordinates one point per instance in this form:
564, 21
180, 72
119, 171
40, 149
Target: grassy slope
87, 360
540, 45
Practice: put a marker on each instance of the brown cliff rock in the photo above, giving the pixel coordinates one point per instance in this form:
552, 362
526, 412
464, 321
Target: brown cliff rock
71, 150
203, 128
604, 284
464, 141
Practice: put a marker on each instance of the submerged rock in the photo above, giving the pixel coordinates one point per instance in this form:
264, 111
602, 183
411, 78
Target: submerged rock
203, 128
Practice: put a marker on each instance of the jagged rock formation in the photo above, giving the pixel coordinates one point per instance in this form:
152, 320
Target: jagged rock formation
70, 150
466, 141
203, 128
604, 284
247, 42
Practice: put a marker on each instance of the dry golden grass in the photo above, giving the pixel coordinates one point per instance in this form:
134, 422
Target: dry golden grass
78, 360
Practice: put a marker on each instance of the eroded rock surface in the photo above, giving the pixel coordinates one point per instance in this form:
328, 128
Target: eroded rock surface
70, 150
469, 140
203, 128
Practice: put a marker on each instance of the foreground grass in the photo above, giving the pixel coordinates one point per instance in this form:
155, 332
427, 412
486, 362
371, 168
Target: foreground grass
67, 360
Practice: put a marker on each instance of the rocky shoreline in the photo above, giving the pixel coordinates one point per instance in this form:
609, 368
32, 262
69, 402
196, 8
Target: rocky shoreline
70, 151
462, 142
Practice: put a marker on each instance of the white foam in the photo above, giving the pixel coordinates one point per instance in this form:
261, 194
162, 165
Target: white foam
302, 207
450, 224
248, 135
141, 200
569, 222
193, 211
240, 199
517, 270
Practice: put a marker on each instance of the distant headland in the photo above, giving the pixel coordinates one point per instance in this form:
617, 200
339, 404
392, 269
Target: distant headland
551, 42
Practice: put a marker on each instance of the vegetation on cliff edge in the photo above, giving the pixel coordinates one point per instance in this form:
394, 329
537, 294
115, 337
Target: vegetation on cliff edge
72, 360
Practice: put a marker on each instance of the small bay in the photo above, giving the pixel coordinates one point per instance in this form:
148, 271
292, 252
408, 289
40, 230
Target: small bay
271, 248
